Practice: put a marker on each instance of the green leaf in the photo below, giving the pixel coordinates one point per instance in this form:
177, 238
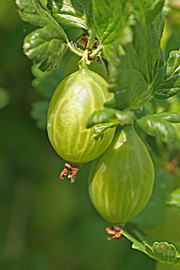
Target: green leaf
112, 21
173, 64
169, 84
46, 45
70, 12
43, 3
173, 117
142, 58
100, 129
167, 93
160, 251
163, 252
110, 116
174, 199
43, 46
30, 11
39, 113
87, 6
154, 125
151, 7
109, 18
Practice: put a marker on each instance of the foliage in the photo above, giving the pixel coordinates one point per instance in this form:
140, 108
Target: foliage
160, 251
143, 79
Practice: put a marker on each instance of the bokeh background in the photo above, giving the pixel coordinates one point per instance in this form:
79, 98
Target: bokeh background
46, 223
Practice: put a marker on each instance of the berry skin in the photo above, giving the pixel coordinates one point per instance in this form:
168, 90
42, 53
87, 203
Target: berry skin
73, 102
121, 180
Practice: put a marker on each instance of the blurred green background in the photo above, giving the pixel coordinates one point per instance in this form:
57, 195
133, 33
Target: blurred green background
46, 223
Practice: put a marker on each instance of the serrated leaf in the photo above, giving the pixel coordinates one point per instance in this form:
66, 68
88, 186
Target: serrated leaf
155, 126
110, 116
142, 58
112, 21
152, 8
174, 199
69, 12
169, 84
39, 113
30, 12
109, 18
48, 44
164, 251
44, 46
160, 251
131, 90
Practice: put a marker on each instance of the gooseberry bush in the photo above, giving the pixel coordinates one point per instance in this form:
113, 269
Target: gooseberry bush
116, 105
